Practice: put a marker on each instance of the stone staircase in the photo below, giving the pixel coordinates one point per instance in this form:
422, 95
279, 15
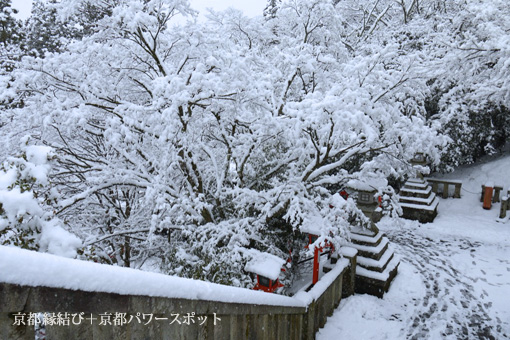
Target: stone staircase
377, 264
417, 200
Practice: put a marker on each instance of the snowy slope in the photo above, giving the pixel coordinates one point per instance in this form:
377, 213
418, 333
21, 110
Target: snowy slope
454, 278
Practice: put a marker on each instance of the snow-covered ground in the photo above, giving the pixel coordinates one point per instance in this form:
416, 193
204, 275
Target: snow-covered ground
454, 277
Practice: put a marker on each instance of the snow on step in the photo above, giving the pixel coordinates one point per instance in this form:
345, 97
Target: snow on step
348, 251
368, 262
416, 185
370, 249
418, 200
365, 238
376, 275
415, 180
417, 191
431, 207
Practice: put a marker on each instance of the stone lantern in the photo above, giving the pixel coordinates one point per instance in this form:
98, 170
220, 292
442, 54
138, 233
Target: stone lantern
419, 160
365, 195
266, 268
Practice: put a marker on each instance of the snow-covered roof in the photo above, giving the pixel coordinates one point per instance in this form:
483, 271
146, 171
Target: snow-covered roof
264, 264
371, 184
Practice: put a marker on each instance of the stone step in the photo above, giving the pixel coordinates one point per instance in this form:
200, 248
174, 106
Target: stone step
415, 180
377, 265
372, 252
420, 186
376, 283
432, 207
366, 240
418, 200
415, 192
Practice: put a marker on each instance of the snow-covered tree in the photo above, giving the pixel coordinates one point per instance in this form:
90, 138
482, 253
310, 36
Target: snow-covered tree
44, 31
187, 146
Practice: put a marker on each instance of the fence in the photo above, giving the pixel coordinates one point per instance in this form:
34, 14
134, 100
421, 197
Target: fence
445, 185
496, 193
211, 319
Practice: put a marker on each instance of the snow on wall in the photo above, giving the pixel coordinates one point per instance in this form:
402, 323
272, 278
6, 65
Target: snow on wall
30, 268
323, 284
24, 267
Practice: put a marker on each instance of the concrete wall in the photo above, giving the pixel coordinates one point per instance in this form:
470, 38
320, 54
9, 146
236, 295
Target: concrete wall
238, 321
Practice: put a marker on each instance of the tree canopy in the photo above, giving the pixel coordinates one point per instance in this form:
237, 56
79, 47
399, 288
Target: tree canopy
183, 145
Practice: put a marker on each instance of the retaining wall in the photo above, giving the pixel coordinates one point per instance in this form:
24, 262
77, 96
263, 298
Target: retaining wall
151, 317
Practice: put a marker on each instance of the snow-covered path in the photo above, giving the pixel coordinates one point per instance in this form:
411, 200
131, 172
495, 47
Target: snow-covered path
451, 305
448, 287
454, 276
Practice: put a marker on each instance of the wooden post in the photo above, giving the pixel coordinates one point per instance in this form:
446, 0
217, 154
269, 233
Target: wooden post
315, 265
456, 194
504, 207
445, 190
487, 199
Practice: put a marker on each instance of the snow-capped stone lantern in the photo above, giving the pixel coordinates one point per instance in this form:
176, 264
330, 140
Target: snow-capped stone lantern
266, 267
365, 196
419, 159
417, 198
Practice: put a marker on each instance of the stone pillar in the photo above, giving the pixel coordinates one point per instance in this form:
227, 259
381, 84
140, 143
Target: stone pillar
456, 194
434, 187
497, 191
504, 207
349, 277
445, 190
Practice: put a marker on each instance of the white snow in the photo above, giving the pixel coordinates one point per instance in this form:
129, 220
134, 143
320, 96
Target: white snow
324, 282
312, 225
55, 240
431, 207
417, 185
365, 238
454, 275
348, 251
37, 162
372, 184
265, 264
417, 191
16, 203
416, 180
376, 275
371, 249
7, 178
454, 181
368, 262
427, 200
19, 266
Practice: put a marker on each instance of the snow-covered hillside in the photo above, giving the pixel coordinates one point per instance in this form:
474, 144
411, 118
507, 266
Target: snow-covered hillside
454, 278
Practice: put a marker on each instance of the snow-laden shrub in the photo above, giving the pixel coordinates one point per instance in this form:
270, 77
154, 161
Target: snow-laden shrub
389, 202
27, 219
